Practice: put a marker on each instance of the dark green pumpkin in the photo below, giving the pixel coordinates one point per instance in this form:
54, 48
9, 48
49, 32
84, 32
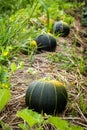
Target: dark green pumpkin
61, 28
46, 42
84, 17
47, 96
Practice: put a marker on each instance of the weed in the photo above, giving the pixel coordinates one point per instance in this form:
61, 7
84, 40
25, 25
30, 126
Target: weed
82, 103
68, 61
4, 77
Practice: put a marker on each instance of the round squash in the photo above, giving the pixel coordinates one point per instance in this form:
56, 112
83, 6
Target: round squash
46, 96
84, 17
46, 42
61, 28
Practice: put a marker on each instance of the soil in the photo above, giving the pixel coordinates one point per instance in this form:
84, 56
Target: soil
41, 67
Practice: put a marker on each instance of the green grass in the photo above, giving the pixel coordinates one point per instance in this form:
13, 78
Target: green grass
67, 61
25, 22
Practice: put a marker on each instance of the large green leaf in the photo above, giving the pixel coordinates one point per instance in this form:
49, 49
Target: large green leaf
58, 123
62, 124
31, 117
4, 97
73, 127
23, 126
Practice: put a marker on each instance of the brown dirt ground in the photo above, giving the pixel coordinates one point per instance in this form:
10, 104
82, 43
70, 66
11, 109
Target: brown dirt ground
42, 67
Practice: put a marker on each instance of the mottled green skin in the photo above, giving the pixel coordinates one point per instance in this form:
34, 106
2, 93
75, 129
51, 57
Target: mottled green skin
44, 96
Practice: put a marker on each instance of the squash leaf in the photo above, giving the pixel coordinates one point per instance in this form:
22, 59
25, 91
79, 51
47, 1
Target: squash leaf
31, 117
4, 97
23, 126
73, 127
56, 121
62, 124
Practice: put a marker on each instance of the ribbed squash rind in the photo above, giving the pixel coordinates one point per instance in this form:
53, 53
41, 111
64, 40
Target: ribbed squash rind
61, 28
46, 97
46, 42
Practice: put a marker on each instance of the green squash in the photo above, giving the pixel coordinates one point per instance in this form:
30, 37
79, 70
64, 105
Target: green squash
46, 96
46, 42
61, 28
84, 17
